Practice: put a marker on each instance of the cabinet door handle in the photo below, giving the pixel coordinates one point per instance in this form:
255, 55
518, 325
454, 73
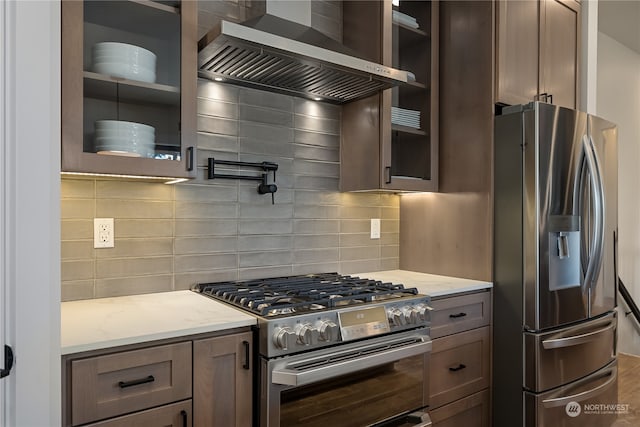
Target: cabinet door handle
387, 173
183, 414
8, 361
189, 158
457, 368
455, 316
125, 384
247, 355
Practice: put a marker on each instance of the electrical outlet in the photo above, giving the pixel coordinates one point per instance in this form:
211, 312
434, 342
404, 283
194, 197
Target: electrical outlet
103, 233
375, 228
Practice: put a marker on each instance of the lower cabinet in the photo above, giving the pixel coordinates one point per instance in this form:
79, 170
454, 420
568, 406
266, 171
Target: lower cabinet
198, 382
222, 381
460, 361
174, 415
471, 411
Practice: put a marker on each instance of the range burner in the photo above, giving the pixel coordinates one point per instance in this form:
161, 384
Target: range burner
289, 295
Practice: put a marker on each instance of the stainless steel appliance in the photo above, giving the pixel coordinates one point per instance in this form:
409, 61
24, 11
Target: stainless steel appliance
336, 350
279, 54
555, 225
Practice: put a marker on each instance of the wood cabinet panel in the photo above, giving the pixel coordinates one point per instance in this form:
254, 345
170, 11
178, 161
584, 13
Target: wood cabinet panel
174, 415
458, 314
560, 51
115, 384
471, 411
538, 51
222, 384
460, 365
517, 51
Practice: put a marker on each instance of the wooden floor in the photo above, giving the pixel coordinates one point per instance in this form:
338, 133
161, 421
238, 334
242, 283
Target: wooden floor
629, 390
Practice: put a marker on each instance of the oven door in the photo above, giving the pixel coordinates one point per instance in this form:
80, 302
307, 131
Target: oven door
375, 381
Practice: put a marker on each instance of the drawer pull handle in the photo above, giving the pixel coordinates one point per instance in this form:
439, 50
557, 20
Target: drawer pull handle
458, 368
125, 384
455, 316
247, 355
183, 414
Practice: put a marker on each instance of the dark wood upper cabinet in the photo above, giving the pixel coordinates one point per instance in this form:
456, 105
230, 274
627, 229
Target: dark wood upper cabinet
538, 51
168, 102
390, 141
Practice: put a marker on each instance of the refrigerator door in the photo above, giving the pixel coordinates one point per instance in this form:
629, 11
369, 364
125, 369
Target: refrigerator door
556, 358
553, 258
601, 285
589, 402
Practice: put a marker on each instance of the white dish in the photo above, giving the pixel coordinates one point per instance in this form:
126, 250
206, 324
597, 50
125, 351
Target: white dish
123, 133
140, 62
127, 71
105, 141
122, 124
123, 49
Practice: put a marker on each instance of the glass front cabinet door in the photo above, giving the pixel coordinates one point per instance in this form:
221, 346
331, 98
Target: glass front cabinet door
390, 141
129, 88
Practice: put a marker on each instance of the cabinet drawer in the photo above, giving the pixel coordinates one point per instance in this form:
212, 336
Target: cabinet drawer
457, 314
459, 366
105, 386
472, 411
174, 415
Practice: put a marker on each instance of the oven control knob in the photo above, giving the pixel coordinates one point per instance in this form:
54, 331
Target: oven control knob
410, 314
284, 338
307, 334
328, 331
423, 312
396, 317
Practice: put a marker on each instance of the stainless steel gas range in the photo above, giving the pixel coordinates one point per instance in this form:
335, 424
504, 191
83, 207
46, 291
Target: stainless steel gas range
336, 350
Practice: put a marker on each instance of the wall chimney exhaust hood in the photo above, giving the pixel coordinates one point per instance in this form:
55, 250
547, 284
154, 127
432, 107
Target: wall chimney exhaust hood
280, 55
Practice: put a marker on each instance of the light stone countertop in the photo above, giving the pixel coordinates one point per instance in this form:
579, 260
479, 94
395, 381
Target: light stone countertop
109, 322
427, 284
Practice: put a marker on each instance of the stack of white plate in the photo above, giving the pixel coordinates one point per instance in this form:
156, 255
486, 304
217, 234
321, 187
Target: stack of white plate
122, 138
124, 60
405, 117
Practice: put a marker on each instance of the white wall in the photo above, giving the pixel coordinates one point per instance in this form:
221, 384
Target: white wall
618, 100
30, 199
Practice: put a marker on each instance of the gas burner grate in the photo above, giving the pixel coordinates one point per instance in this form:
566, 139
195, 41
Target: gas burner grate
289, 295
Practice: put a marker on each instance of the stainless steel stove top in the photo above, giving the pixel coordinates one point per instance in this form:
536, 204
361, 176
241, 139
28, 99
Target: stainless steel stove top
300, 313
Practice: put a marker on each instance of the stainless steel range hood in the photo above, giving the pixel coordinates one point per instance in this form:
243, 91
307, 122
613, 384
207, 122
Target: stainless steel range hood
279, 55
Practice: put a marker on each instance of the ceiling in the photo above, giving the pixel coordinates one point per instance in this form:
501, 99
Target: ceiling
620, 20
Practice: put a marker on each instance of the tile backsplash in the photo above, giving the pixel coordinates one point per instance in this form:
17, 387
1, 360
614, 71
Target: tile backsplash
169, 237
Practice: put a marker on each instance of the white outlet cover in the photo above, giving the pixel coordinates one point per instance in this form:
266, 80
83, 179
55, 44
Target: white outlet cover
103, 233
375, 228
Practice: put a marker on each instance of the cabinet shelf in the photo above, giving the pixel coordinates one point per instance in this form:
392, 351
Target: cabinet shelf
407, 129
103, 86
416, 85
416, 31
165, 6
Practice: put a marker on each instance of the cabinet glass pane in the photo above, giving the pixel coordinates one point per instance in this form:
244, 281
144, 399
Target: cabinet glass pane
126, 84
410, 111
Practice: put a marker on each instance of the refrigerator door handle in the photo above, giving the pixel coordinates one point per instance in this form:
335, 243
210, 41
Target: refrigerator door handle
562, 401
595, 255
599, 207
552, 343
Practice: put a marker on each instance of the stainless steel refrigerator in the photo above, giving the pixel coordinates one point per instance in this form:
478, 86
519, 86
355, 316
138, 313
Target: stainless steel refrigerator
555, 225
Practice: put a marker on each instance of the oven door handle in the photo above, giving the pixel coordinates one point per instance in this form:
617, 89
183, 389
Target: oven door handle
332, 369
